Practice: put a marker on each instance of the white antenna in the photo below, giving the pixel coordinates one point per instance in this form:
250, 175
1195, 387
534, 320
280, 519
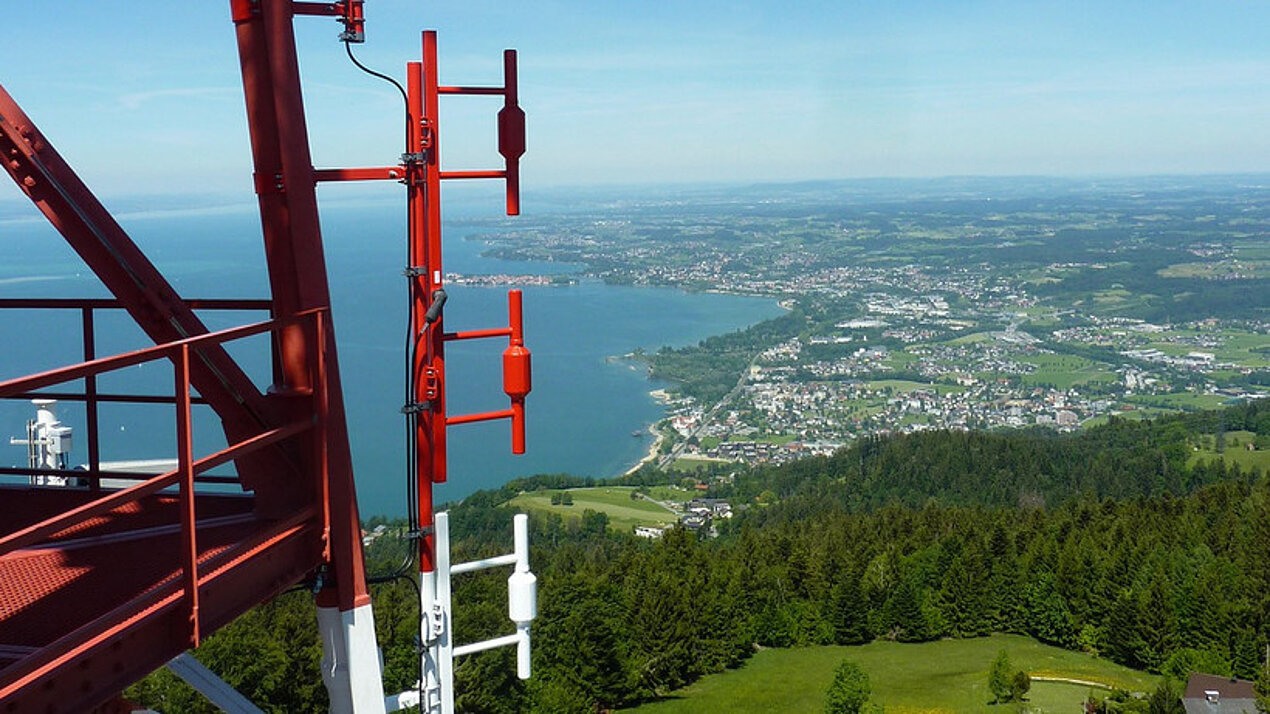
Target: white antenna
48, 444
439, 650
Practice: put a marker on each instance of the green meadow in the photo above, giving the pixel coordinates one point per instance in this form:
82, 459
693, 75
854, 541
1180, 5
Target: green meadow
942, 676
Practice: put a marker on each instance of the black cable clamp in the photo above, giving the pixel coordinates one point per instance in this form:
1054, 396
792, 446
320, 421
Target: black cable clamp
417, 533
416, 407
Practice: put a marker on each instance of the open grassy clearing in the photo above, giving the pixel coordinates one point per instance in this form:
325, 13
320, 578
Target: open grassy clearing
943, 676
1064, 371
694, 463
624, 512
1236, 451
1216, 270
1182, 401
669, 493
972, 338
1140, 412
903, 386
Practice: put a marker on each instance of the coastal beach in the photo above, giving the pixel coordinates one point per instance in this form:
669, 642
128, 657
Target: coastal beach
653, 448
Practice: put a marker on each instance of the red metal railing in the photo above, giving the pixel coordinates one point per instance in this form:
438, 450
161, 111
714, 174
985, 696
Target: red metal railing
180, 353
90, 396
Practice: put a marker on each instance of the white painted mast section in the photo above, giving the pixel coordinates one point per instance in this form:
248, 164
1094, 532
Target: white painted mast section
350, 660
430, 628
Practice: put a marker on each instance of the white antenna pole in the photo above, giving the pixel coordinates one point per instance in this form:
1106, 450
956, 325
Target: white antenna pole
445, 644
522, 594
436, 629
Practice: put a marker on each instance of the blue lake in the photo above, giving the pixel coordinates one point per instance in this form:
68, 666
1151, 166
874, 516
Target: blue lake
581, 414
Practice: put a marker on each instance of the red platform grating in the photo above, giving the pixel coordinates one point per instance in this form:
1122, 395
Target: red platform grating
110, 575
82, 573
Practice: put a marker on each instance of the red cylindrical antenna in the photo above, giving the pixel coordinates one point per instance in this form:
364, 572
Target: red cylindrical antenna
517, 372
511, 132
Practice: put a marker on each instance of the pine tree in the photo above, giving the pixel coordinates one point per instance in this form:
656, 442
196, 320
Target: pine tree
1000, 678
1020, 685
1122, 630
1247, 656
850, 690
962, 599
906, 614
1166, 699
850, 614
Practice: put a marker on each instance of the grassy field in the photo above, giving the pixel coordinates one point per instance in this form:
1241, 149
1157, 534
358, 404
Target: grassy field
1183, 401
623, 512
904, 386
1064, 371
694, 463
1236, 451
944, 676
670, 493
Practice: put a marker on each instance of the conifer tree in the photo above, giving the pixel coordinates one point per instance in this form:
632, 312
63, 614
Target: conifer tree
1262, 688
850, 690
1166, 699
1001, 678
850, 614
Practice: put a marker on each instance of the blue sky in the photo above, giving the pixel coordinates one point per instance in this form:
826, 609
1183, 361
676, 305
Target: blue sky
145, 97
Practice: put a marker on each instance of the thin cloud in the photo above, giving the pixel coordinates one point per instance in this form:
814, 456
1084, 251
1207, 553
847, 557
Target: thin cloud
134, 100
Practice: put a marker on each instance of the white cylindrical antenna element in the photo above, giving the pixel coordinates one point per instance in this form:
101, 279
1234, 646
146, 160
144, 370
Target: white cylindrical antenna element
522, 597
520, 534
522, 652
44, 411
522, 586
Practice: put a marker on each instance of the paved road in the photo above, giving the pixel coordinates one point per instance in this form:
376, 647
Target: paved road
677, 449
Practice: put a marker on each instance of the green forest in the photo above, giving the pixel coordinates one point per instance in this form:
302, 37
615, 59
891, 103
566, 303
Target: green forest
1111, 541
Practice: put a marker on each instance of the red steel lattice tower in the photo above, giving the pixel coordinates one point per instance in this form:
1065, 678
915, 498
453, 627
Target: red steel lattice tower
201, 558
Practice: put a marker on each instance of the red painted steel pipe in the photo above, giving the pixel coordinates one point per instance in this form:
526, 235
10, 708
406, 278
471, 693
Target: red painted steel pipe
491, 174
185, 459
417, 134
434, 419
480, 416
478, 334
378, 173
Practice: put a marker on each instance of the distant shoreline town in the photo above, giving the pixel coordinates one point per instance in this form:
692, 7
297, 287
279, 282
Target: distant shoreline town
499, 280
1039, 311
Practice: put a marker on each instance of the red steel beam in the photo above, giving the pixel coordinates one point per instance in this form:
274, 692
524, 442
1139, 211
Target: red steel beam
287, 195
478, 334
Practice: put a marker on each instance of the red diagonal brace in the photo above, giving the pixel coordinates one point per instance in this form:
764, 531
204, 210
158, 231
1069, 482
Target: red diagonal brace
94, 234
